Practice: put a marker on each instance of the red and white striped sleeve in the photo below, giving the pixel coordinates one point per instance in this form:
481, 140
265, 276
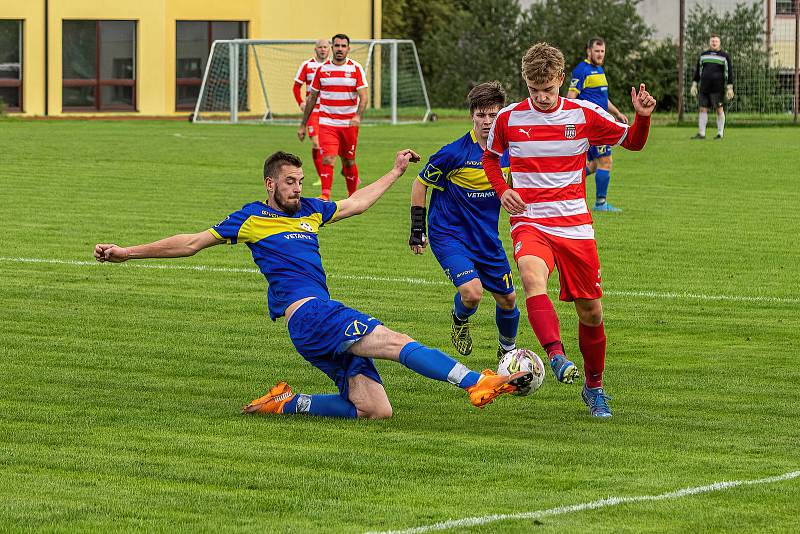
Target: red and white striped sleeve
361, 77
498, 135
316, 85
602, 129
301, 73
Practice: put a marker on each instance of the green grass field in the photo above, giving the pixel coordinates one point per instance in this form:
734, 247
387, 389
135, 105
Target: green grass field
122, 384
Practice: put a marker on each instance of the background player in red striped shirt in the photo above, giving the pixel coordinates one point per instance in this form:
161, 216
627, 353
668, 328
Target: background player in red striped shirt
341, 87
547, 138
305, 75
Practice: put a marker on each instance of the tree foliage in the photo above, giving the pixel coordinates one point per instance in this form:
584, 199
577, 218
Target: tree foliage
462, 43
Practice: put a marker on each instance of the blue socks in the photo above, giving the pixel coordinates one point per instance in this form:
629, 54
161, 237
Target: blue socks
601, 179
321, 406
507, 325
462, 312
437, 365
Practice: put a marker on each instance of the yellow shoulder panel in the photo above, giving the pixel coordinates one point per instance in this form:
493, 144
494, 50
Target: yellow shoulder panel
595, 80
470, 178
257, 228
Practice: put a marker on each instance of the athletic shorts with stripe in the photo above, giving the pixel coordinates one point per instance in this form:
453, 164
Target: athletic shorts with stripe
338, 140
576, 259
323, 331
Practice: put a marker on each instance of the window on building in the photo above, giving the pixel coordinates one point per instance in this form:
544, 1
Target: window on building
99, 65
193, 39
11, 64
785, 7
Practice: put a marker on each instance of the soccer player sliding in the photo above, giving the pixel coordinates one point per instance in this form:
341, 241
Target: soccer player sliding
281, 234
547, 138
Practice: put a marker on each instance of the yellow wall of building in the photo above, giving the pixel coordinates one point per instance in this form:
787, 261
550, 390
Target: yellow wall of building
32, 13
155, 38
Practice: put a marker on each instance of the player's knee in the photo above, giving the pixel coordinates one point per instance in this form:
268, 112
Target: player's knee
590, 313
328, 160
506, 302
374, 409
534, 284
378, 412
604, 164
471, 295
348, 162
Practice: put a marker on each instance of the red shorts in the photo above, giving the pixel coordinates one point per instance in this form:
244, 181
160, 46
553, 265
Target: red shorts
576, 259
313, 124
338, 140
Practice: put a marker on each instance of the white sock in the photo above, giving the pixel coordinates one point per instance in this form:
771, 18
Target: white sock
721, 123
701, 122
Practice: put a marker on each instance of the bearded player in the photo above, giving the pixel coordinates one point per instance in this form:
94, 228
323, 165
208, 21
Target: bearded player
281, 234
340, 85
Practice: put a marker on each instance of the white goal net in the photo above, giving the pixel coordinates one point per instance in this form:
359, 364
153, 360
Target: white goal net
250, 80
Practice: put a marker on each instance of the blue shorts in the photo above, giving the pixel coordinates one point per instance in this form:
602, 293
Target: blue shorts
598, 151
460, 265
322, 331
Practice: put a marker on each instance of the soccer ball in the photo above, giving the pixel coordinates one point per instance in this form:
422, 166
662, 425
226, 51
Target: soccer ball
517, 360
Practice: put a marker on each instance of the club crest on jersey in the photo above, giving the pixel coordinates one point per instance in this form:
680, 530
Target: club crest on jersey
346, 74
356, 328
307, 227
570, 131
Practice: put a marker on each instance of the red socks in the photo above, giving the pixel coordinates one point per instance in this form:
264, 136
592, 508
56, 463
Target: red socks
316, 155
351, 178
326, 177
544, 322
592, 342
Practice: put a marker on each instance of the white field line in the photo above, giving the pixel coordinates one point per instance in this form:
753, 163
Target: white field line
414, 281
602, 503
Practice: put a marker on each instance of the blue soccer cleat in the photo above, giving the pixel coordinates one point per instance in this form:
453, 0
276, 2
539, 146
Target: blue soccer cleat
564, 370
597, 401
605, 206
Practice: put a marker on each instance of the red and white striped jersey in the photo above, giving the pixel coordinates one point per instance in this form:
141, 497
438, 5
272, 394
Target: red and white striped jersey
305, 75
548, 159
338, 87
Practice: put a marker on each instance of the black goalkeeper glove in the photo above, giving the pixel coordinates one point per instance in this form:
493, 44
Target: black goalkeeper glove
418, 229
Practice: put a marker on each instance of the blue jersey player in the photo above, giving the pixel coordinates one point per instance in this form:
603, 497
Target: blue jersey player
462, 224
281, 233
589, 83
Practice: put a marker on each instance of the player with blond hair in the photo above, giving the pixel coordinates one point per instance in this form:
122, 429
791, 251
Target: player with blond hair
547, 137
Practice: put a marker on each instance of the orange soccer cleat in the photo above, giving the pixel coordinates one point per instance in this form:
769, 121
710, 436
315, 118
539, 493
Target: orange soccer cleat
272, 402
491, 385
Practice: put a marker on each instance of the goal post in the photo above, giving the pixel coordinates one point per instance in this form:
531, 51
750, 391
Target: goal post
250, 80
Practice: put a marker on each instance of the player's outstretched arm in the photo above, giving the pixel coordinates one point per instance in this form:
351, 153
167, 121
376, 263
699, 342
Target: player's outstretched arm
361, 200
177, 246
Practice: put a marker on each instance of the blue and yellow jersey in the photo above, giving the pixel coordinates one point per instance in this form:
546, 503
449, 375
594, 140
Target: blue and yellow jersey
284, 247
590, 82
463, 205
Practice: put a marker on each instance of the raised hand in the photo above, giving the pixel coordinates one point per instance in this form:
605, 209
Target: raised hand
643, 102
403, 158
110, 253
